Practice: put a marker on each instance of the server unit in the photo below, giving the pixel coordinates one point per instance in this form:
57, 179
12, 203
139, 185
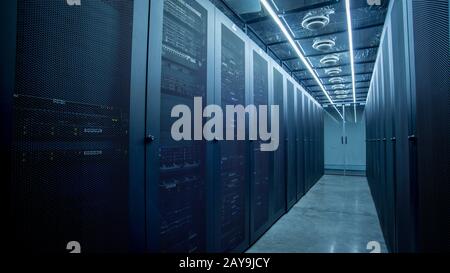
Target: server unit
261, 169
300, 97
72, 124
291, 142
180, 69
232, 186
279, 178
407, 124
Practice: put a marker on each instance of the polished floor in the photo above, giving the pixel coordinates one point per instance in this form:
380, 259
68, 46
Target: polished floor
336, 216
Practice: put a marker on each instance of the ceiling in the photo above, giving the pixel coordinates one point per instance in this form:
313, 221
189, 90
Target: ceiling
367, 24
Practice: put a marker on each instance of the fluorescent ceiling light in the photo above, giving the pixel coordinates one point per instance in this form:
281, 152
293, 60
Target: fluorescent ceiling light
350, 43
294, 45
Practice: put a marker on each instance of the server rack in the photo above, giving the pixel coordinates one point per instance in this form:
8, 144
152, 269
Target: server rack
261, 163
404, 229
300, 145
407, 111
305, 142
291, 166
279, 189
308, 140
388, 141
181, 65
69, 97
315, 139
232, 190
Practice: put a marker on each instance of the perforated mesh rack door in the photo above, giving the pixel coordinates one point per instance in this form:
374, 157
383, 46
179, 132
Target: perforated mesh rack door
70, 135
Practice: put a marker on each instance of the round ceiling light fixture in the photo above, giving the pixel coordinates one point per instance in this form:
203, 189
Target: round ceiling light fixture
333, 71
338, 86
336, 80
332, 59
315, 22
323, 44
342, 96
341, 92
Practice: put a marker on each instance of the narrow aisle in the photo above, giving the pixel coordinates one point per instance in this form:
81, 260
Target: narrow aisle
336, 215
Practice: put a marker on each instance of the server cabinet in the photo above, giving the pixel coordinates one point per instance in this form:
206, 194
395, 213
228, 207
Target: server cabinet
261, 168
308, 147
405, 240
381, 147
322, 142
299, 143
180, 69
311, 142
430, 97
291, 166
231, 186
411, 77
305, 141
316, 142
72, 125
279, 178
389, 138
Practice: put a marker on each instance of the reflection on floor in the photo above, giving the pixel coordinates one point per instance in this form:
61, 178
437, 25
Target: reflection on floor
337, 216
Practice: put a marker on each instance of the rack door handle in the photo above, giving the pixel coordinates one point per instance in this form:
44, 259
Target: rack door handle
149, 138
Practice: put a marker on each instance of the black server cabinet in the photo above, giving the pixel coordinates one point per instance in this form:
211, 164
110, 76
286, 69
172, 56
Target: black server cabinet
279, 177
408, 118
316, 143
428, 23
72, 125
311, 143
389, 139
180, 73
308, 144
306, 162
381, 143
404, 233
299, 141
322, 142
232, 177
261, 168
291, 127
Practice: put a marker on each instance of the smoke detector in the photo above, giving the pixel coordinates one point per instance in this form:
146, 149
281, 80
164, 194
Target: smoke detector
330, 59
338, 86
315, 22
336, 80
333, 71
323, 44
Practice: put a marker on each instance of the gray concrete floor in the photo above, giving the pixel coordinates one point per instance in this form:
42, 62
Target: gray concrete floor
336, 216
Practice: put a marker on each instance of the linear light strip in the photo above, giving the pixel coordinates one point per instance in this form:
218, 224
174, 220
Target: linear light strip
351, 51
277, 20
